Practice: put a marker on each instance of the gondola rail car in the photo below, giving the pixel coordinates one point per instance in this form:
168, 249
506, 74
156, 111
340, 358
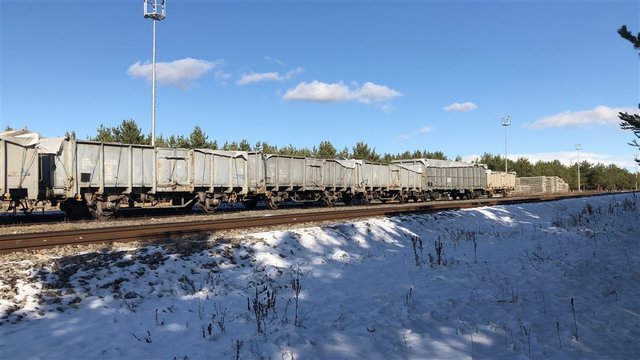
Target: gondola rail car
102, 176
97, 178
26, 160
446, 179
500, 182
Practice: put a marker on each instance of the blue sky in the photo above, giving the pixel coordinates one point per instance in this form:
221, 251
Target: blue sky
401, 75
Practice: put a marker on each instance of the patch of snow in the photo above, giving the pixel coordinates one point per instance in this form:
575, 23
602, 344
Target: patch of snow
547, 280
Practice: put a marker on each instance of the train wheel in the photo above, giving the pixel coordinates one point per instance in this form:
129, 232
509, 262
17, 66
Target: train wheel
272, 204
103, 210
206, 208
329, 201
27, 206
347, 199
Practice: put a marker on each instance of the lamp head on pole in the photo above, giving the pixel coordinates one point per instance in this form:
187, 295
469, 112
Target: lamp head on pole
578, 147
506, 120
154, 9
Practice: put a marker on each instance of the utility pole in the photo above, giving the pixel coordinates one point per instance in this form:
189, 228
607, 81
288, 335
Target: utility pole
154, 10
637, 159
506, 121
578, 148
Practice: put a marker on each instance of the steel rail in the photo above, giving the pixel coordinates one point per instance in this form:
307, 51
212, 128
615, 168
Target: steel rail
32, 241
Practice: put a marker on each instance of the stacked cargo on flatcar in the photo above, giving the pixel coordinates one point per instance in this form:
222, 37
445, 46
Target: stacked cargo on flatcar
541, 185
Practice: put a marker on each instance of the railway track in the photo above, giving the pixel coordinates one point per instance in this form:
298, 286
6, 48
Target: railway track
42, 240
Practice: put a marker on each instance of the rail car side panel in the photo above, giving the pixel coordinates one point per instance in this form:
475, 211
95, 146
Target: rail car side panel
374, 175
20, 170
314, 174
330, 174
296, 170
299, 173
3, 165
230, 171
410, 176
106, 168
173, 169
256, 173
142, 164
203, 170
345, 175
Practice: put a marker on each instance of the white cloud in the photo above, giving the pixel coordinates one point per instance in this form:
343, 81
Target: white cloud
268, 76
422, 130
275, 60
178, 72
373, 92
221, 75
318, 91
461, 107
598, 115
255, 77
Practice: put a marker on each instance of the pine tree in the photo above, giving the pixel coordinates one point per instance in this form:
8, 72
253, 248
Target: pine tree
198, 139
128, 132
362, 151
325, 150
631, 121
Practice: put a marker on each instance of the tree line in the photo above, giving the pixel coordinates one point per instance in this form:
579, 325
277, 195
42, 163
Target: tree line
128, 132
592, 176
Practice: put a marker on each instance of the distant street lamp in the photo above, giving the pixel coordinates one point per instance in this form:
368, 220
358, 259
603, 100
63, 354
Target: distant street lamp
578, 148
154, 10
506, 121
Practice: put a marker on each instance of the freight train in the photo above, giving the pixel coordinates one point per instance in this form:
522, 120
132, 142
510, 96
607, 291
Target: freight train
86, 177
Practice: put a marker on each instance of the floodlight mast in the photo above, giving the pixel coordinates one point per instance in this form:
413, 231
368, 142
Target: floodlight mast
637, 158
154, 10
578, 148
506, 121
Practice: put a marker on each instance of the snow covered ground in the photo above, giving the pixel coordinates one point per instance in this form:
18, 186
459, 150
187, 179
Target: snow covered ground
551, 280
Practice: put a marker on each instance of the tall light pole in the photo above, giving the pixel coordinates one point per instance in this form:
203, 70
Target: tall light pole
578, 148
637, 159
506, 121
154, 10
